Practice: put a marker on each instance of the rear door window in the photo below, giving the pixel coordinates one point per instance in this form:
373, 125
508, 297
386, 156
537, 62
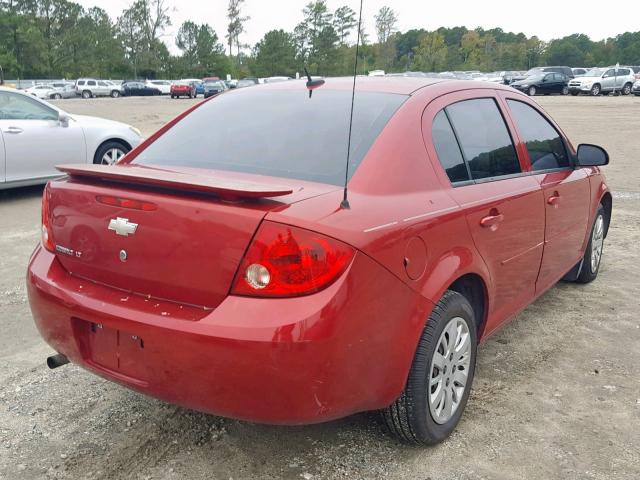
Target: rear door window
446, 145
544, 144
484, 138
91, 83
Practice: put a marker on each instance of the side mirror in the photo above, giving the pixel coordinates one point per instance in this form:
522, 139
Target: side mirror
592, 155
63, 118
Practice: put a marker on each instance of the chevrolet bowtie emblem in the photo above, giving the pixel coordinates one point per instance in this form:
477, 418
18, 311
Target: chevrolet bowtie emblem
122, 226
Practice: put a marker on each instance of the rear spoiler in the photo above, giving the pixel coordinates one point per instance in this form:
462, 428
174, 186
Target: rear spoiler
137, 175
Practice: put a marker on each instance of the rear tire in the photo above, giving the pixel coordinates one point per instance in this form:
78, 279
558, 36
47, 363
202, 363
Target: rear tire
56, 96
531, 91
626, 90
415, 417
593, 254
565, 90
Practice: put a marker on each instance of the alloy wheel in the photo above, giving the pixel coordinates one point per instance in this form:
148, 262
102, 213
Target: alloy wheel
597, 241
111, 156
449, 370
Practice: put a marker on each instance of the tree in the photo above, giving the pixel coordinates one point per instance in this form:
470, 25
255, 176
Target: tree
202, 54
386, 20
130, 35
344, 21
431, 52
316, 39
275, 54
236, 24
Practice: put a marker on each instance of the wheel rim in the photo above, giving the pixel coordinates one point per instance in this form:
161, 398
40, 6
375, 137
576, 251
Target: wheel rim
111, 156
532, 91
565, 90
597, 241
449, 370
596, 90
626, 90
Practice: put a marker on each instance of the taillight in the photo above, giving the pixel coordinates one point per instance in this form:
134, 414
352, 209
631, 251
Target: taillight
286, 261
126, 203
47, 238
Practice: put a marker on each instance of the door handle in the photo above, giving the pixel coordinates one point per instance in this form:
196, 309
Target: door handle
492, 220
13, 130
554, 199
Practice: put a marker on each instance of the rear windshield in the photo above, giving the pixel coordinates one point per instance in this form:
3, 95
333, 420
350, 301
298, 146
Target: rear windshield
281, 133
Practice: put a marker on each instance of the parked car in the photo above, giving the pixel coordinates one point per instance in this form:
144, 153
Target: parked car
636, 71
538, 70
139, 89
36, 136
39, 91
603, 80
163, 85
67, 91
544, 84
247, 82
224, 272
199, 84
579, 71
183, 89
90, 88
213, 87
636, 88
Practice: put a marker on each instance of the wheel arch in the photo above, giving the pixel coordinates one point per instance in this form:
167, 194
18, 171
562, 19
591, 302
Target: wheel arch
473, 287
607, 203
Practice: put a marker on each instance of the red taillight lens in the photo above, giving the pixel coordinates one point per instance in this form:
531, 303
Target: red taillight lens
47, 238
286, 261
126, 203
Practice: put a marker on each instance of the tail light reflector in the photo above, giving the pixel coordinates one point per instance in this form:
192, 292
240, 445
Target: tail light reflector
47, 238
286, 261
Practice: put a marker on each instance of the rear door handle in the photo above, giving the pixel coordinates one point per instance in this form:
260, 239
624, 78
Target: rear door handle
554, 199
13, 130
491, 220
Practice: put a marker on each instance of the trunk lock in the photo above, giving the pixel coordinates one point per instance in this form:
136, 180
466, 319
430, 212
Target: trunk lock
123, 255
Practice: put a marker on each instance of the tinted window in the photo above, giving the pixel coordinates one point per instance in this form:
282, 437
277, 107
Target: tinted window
623, 72
544, 144
281, 133
610, 73
91, 83
81, 82
446, 145
20, 107
484, 138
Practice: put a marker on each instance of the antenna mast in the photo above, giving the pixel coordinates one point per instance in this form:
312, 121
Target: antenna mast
345, 201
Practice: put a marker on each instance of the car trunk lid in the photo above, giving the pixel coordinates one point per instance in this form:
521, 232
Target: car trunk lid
173, 235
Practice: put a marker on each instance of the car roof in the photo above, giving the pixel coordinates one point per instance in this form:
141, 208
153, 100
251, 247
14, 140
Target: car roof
397, 85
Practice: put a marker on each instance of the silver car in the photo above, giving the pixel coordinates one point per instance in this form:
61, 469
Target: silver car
35, 136
66, 91
603, 80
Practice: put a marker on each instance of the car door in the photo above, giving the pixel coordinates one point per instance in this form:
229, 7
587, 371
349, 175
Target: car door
503, 206
608, 80
565, 189
103, 89
35, 141
622, 77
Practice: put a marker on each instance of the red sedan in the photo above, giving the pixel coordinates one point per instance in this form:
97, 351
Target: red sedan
182, 89
224, 272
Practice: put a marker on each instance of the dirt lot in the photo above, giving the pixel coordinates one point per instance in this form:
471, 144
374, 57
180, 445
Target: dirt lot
556, 395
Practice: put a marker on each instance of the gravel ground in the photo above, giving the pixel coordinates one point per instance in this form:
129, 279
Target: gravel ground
556, 394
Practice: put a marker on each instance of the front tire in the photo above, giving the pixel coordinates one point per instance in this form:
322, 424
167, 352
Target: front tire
574, 94
86, 94
56, 96
441, 375
593, 254
532, 91
110, 152
595, 90
115, 94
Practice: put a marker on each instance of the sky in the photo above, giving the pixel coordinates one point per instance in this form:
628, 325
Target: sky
548, 19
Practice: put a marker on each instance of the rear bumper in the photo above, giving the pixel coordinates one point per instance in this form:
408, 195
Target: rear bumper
284, 361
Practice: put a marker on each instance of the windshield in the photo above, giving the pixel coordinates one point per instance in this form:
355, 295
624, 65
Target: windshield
217, 83
595, 72
281, 133
536, 77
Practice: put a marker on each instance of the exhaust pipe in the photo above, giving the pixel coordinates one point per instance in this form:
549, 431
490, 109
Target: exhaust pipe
55, 361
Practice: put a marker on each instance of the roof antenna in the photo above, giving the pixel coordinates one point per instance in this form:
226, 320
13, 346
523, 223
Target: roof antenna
311, 83
345, 201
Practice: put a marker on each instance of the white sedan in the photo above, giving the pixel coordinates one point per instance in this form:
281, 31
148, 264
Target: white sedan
40, 91
163, 85
35, 136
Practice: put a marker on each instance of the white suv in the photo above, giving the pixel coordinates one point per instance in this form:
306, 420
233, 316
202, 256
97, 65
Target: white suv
90, 87
603, 80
